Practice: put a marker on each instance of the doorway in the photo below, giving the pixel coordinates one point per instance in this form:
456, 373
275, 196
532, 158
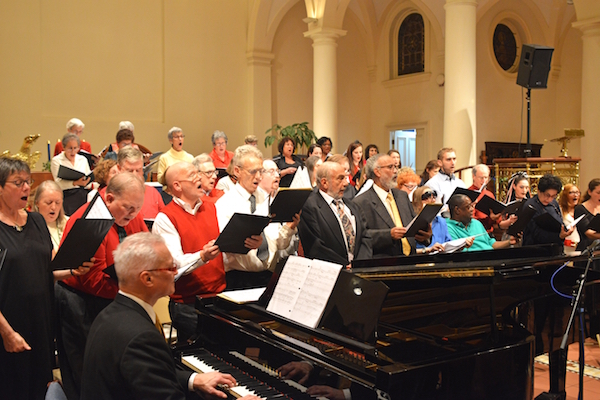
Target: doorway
405, 141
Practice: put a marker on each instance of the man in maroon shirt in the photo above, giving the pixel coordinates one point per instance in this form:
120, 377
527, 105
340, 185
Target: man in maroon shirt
481, 177
80, 298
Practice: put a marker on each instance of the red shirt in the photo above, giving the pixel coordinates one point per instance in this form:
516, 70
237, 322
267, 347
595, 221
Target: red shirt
213, 196
485, 219
195, 231
153, 203
217, 161
97, 282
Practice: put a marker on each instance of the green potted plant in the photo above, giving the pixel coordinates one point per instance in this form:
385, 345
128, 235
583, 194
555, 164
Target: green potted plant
300, 133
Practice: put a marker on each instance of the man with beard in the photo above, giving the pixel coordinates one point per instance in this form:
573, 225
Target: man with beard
388, 210
332, 228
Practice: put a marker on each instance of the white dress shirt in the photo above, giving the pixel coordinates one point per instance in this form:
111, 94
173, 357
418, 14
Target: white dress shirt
444, 185
81, 165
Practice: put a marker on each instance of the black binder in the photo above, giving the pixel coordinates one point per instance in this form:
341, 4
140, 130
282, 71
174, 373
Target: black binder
524, 216
547, 222
70, 174
486, 203
240, 227
287, 203
471, 194
83, 239
420, 222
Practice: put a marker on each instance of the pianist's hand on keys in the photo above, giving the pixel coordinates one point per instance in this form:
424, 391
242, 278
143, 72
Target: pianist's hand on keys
208, 383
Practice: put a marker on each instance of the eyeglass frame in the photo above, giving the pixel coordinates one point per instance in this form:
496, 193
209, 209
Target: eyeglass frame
22, 182
428, 195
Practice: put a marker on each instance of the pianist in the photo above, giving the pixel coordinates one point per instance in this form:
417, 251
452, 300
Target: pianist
126, 355
462, 225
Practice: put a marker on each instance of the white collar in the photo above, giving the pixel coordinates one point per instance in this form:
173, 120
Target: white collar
186, 206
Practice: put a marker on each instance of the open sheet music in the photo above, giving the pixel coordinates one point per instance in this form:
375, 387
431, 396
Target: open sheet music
303, 290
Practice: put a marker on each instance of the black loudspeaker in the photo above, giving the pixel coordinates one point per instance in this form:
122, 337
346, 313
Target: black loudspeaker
534, 66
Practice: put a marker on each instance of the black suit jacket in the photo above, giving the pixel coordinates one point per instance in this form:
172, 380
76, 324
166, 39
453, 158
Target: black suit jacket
322, 237
379, 221
127, 358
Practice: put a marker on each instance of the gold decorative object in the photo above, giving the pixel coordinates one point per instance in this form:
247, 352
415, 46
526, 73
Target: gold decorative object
25, 153
570, 134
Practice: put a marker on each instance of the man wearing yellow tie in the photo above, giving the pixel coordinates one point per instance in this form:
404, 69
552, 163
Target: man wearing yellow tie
388, 210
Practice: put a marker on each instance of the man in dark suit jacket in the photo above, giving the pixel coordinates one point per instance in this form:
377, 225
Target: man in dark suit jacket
126, 356
321, 229
387, 237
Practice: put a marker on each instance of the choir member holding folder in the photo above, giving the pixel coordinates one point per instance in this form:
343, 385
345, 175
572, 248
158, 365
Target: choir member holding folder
77, 184
81, 298
481, 176
26, 296
590, 207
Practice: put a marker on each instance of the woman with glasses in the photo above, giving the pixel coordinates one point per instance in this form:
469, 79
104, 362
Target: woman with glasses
408, 181
545, 202
26, 289
287, 162
425, 195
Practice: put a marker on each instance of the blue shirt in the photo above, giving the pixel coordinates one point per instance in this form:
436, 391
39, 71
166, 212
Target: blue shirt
439, 230
458, 231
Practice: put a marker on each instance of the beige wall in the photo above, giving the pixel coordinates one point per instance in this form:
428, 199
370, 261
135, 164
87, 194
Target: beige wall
163, 63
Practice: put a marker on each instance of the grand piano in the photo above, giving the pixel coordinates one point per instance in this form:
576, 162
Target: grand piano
448, 326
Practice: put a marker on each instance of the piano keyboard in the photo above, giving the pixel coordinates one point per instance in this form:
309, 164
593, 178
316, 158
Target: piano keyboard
252, 377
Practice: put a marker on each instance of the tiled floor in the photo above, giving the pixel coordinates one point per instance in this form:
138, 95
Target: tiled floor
591, 386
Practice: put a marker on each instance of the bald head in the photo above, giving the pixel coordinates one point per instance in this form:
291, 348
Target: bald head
183, 182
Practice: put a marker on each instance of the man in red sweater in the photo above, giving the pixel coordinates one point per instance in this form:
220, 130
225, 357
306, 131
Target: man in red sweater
189, 227
481, 177
80, 298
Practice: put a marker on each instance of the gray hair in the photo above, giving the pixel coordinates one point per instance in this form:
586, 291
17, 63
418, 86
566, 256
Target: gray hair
49, 186
137, 253
201, 159
125, 181
126, 125
129, 153
69, 137
74, 122
480, 167
242, 152
310, 163
218, 135
270, 164
9, 166
324, 171
372, 164
172, 131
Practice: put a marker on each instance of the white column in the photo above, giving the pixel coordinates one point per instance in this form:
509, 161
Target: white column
259, 94
590, 87
460, 122
325, 101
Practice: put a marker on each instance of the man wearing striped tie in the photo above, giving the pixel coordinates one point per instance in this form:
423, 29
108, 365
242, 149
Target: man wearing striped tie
331, 228
388, 210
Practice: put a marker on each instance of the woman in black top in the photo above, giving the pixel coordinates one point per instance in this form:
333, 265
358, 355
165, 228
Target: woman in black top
590, 206
287, 161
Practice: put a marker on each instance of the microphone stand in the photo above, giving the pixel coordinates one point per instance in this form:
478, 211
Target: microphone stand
577, 307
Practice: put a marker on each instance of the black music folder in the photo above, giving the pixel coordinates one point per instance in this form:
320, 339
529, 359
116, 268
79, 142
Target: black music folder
240, 227
85, 236
89, 157
487, 203
524, 215
513, 207
287, 203
70, 174
221, 173
471, 194
420, 222
547, 222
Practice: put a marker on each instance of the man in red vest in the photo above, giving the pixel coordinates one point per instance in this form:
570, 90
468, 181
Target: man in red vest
189, 227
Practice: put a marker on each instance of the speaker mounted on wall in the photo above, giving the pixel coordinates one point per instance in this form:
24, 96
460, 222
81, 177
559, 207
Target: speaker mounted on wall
534, 66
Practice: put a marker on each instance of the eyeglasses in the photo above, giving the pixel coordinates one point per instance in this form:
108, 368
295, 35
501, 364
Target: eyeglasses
179, 137
428, 195
208, 174
411, 187
574, 192
219, 144
253, 172
274, 172
19, 183
391, 166
170, 269
548, 196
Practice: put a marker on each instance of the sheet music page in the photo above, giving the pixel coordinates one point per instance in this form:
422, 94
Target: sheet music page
98, 210
288, 286
243, 295
315, 293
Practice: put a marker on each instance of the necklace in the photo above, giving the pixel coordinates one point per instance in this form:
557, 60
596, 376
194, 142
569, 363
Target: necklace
18, 228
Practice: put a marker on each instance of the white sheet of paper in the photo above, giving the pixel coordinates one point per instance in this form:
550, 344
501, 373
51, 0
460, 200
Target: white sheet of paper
243, 295
288, 286
98, 210
575, 222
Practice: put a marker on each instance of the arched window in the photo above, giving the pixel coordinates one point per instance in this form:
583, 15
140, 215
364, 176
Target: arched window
411, 45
